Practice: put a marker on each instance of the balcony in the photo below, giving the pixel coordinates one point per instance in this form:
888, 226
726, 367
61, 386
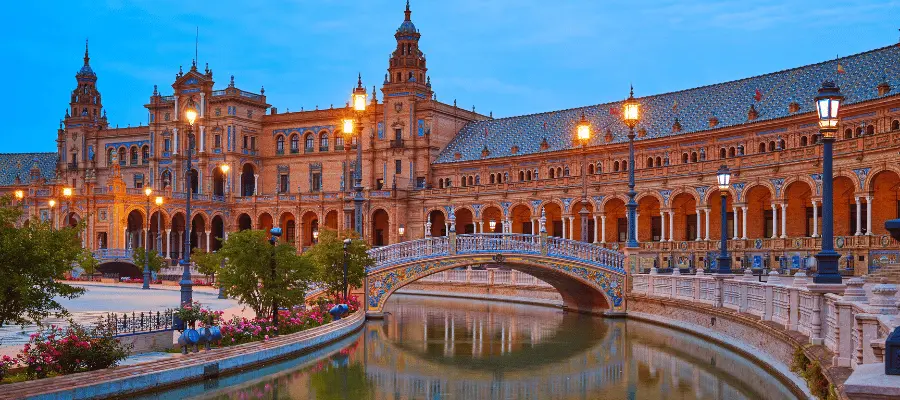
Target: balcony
72, 166
397, 144
308, 150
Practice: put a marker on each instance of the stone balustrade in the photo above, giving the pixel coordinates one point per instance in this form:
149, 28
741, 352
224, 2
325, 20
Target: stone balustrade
853, 326
486, 277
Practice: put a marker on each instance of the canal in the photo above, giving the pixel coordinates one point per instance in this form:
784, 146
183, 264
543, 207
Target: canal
441, 348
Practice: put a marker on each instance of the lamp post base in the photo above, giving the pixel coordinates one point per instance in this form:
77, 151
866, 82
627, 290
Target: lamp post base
723, 265
827, 262
146, 280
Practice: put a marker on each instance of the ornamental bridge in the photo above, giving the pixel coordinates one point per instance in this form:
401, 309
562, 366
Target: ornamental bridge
590, 278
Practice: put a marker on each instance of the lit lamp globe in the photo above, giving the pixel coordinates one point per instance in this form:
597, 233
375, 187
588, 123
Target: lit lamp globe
159, 200
828, 103
190, 113
148, 191
492, 224
723, 178
348, 126
52, 203
401, 230
20, 194
359, 96
631, 110
316, 234
584, 129
67, 192
224, 168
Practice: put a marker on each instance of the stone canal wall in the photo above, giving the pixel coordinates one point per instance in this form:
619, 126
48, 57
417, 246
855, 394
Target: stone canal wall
154, 375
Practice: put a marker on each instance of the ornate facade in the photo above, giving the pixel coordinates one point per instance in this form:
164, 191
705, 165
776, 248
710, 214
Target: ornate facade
431, 167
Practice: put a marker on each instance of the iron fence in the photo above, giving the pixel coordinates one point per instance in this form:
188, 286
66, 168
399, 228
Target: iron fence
140, 322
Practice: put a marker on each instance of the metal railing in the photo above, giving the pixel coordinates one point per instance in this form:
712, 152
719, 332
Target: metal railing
140, 322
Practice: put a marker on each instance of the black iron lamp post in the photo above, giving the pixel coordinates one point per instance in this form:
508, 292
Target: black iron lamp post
347, 242
631, 115
723, 177
273, 240
583, 130
351, 125
146, 284
828, 104
187, 286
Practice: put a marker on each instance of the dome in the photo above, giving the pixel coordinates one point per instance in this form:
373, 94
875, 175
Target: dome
86, 71
407, 27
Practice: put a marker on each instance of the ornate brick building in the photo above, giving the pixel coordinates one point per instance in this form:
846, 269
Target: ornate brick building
429, 166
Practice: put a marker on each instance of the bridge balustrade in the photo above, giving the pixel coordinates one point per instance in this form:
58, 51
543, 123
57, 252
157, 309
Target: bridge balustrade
113, 254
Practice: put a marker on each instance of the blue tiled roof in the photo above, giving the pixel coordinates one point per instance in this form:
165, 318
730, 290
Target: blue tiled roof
407, 27
20, 164
729, 102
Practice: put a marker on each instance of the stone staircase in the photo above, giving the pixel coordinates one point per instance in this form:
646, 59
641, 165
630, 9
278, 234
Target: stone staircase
890, 273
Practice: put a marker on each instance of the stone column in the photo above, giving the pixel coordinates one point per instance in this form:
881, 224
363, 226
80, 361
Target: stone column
815, 232
734, 212
662, 226
784, 221
480, 227
202, 145
572, 228
175, 137
858, 217
563, 227
534, 226
596, 230
671, 225
869, 216
168, 244
207, 235
603, 228
774, 221
706, 231
698, 226
255, 184
744, 222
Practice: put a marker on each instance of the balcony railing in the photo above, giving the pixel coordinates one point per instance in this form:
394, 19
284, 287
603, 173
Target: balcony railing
397, 143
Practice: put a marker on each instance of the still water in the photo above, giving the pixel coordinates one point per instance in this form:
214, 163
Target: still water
438, 348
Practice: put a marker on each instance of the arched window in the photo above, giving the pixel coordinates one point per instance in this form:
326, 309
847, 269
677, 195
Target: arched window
559, 172
134, 156
145, 155
599, 167
624, 165
649, 162
165, 179
122, 157
323, 141
762, 147
848, 133
399, 77
814, 139
615, 166
295, 143
463, 181
110, 154
309, 143
859, 131
566, 171
659, 162
895, 125
521, 176
781, 143
537, 174
552, 173
449, 183
528, 175
440, 183
723, 153
772, 146
279, 145
694, 156
870, 130
477, 180
732, 152
590, 169
492, 179
684, 158
803, 141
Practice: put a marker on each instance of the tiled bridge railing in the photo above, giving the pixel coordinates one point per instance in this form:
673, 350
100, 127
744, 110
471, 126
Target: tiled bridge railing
497, 243
486, 277
853, 326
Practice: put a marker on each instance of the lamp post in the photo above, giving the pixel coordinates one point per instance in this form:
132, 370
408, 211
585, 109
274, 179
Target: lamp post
148, 191
584, 135
276, 233
723, 177
52, 203
20, 196
631, 115
347, 242
190, 113
828, 103
67, 194
224, 168
351, 125
315, 235
159, 203
400, 231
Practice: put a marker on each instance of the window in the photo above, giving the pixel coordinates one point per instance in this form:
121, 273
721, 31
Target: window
859, 131
316, 182
138, 181
253, 143
338, 142
420, 182
122, 159
552, 173
615, 166
279, 145
379, 184
309, 143
528, 175
245, 143
566, 171
167, 145
491, 180
870, 130
694, 156
398, 166
649, 162
895, 125
848, 133
283, 183
134, 156
723, 153
599, 167
732, 152
590, 169
803, 141
463, 179
323, 142
471, 181
521, 176
145, 155
762, 147
218, 141
772, 146
684, 158
398, 134
109, 157
295, 144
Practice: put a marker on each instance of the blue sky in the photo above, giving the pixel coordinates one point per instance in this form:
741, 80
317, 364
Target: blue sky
509, 57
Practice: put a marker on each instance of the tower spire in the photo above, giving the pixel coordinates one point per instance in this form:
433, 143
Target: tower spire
87, 58
407, 12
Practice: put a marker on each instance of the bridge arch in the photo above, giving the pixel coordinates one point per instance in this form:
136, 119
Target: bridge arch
589, 278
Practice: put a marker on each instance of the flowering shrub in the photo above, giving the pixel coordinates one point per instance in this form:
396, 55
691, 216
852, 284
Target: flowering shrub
69, 350
189, 313
243, 330
5, 363
209, 317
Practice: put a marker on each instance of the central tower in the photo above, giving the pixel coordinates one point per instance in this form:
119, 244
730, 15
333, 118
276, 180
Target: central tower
406, 69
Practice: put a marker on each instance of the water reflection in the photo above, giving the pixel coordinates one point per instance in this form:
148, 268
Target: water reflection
433, 348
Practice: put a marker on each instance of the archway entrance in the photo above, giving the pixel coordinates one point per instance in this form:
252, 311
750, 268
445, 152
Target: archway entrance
135, 231
244, 222
217, 234
380, 228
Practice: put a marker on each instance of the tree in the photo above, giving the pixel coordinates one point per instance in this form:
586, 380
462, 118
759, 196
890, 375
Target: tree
207, 263
328, 258
247, 275
155, 261
88, 262
32, 260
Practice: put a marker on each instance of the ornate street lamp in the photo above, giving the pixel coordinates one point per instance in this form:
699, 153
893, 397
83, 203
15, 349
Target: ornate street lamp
631, 115
347, 242
20, 194
828, 103
583, 132
492, 224
315, 234
190, 114
67, 194
276, 233
350, 126
723, 177
159, 203
224, 168
52, 203
400, 231
148, 191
